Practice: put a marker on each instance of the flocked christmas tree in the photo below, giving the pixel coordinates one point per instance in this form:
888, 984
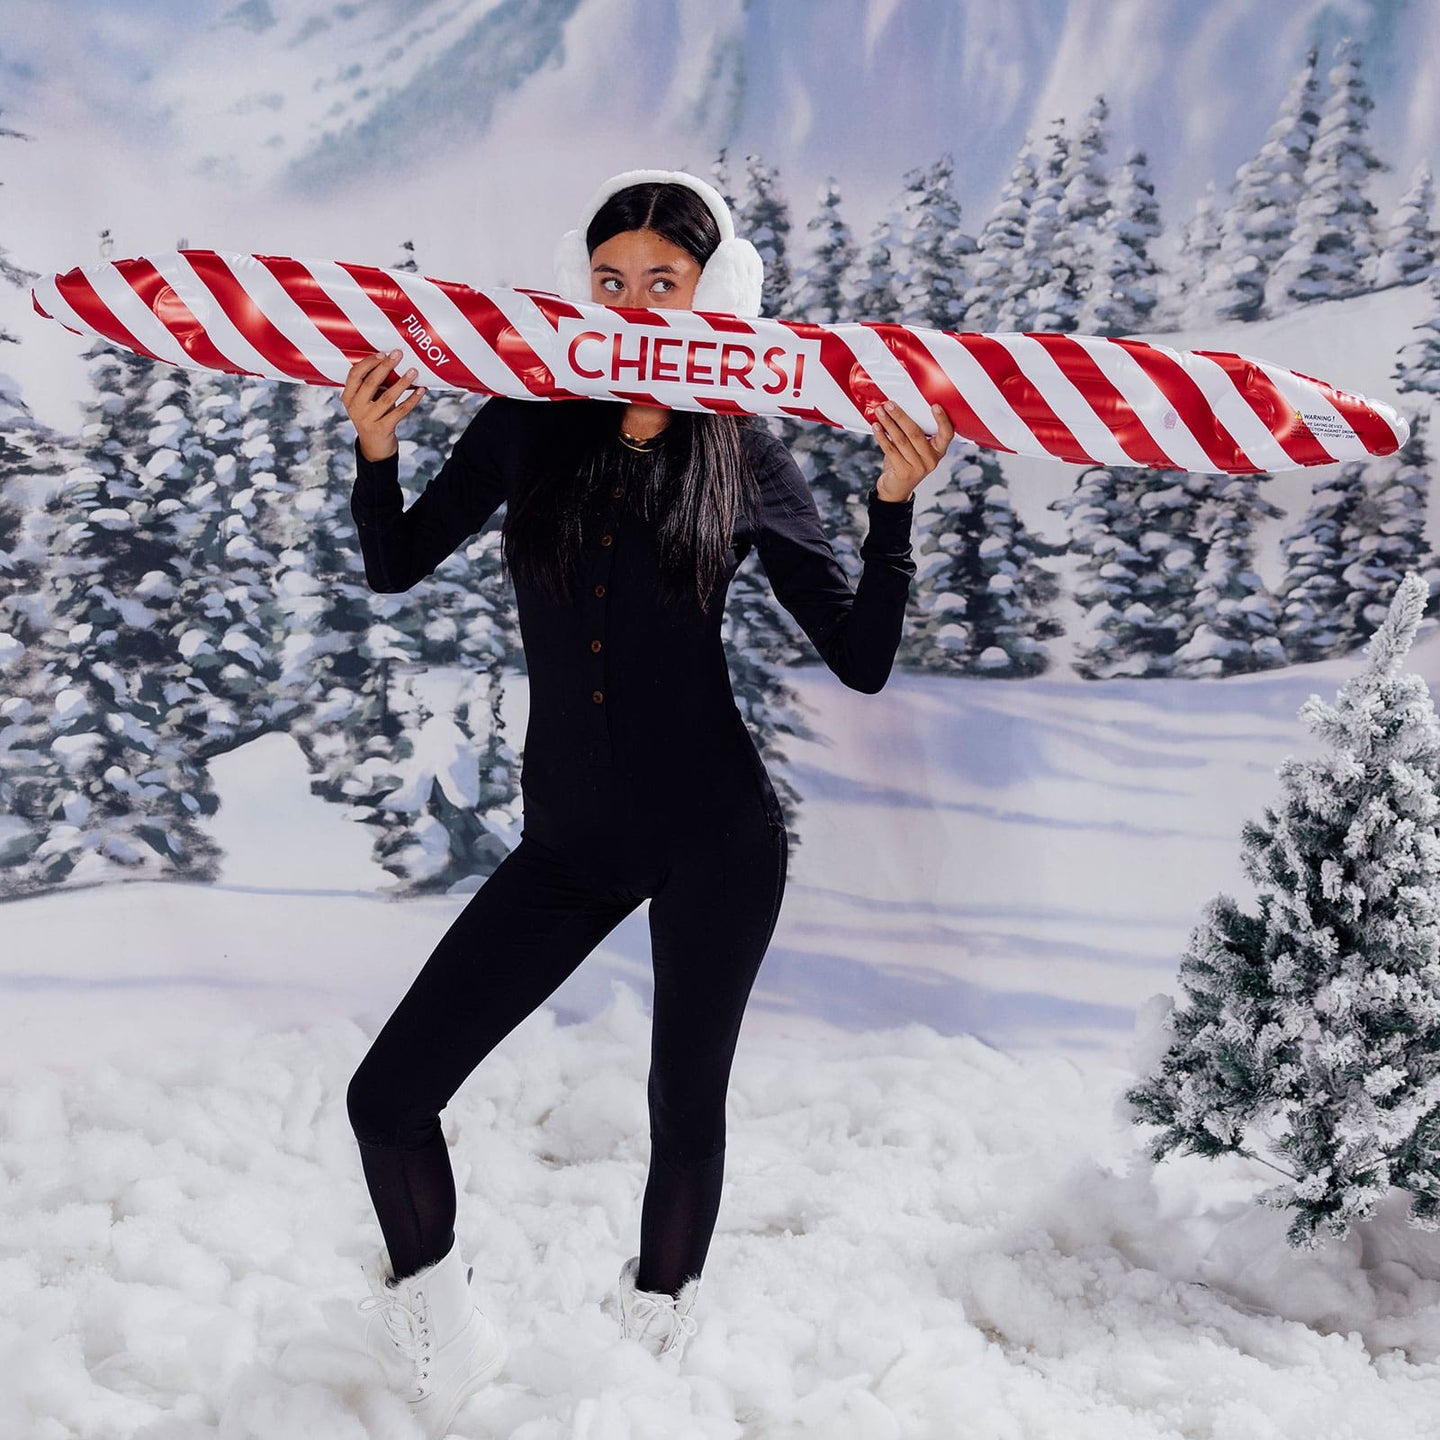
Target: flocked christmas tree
1312, 1031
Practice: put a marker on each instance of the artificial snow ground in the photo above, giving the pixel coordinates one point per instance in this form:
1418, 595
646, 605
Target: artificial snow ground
940, 1229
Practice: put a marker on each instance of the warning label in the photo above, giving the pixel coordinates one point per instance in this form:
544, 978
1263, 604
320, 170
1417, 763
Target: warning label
1327, 426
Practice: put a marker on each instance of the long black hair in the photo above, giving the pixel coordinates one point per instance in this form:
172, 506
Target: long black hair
695, 485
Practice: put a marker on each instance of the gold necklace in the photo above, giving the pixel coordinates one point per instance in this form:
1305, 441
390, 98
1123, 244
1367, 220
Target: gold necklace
641, 446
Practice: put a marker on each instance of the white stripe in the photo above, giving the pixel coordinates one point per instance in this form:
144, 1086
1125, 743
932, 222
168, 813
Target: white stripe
371, 321
1063, 396
541, 336
285, 314
1304, 396
885, 369
1149, 403
1251, 433
136, 316
458, 335
48, 293
981, 393
206, 309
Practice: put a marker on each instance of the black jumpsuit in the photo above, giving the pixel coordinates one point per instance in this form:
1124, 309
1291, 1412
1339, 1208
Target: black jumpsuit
640, 781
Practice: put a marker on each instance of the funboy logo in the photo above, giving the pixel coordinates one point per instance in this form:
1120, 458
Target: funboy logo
422, 340
730, 363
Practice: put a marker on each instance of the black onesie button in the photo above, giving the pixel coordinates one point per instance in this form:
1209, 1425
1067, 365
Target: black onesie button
617, 492
597, 696
595, 646
600, 591
607, 539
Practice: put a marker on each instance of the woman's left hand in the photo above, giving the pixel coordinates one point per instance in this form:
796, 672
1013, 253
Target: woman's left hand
910, 454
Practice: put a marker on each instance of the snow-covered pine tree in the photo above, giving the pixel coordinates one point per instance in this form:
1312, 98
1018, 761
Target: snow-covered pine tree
1235, 618
824, 262
762, 216
1364, 530
932, 286
1333, 242
224, 619
826, 454
121, 793
1410, 239
33, 469
1001, 244
871, 288
10, 271
1040, 270
1259, 222
1184, 280
761, 643
1084, 199
1417, 367
1167, 579
1135, 529
982, 599
1122, 291
1312, 1030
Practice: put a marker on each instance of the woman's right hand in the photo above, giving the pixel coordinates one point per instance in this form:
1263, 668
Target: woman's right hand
373, 409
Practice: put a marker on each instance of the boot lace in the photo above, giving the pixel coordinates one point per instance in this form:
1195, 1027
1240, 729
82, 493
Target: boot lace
410, 1331
645, 1307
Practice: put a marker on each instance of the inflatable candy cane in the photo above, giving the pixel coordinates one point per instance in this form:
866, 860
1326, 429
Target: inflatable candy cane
1078, 398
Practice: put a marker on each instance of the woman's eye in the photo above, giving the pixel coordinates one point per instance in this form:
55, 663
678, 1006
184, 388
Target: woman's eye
610, 284
663, 286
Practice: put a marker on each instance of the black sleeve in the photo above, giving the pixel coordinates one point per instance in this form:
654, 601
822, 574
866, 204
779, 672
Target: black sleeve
856, 631
402, 547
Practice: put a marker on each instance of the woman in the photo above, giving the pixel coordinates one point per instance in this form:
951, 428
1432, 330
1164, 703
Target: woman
623, 528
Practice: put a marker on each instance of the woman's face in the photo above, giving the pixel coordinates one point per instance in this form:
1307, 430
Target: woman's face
641, 270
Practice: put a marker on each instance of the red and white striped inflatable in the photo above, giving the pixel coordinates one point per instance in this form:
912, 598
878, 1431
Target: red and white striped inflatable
1078, 398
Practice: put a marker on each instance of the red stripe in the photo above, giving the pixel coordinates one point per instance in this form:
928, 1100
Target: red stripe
722, 406
321, 311
638, 397
843, 367
552, 307
39, 308
1276, 413
1192, 407
640, 315
1375, 434
1022, 397
77, 292
1080, 367
818, 417
934, 384
398, 308
491, 324
249, 319
174, 314
731, 324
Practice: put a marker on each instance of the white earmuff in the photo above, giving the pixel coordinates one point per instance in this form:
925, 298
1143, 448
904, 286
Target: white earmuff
731, 279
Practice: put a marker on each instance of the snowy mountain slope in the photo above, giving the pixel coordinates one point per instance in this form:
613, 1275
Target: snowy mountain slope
213, 111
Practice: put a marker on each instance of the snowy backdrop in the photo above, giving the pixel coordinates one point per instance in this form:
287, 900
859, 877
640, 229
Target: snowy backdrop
240, 795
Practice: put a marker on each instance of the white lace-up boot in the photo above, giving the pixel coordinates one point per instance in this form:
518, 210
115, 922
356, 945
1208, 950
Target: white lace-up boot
661, 1323
435, 1347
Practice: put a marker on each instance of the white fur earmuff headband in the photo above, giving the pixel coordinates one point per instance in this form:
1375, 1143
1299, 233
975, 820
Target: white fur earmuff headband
731, 278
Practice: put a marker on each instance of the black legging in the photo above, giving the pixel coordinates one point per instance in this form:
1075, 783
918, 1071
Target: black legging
715, 894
